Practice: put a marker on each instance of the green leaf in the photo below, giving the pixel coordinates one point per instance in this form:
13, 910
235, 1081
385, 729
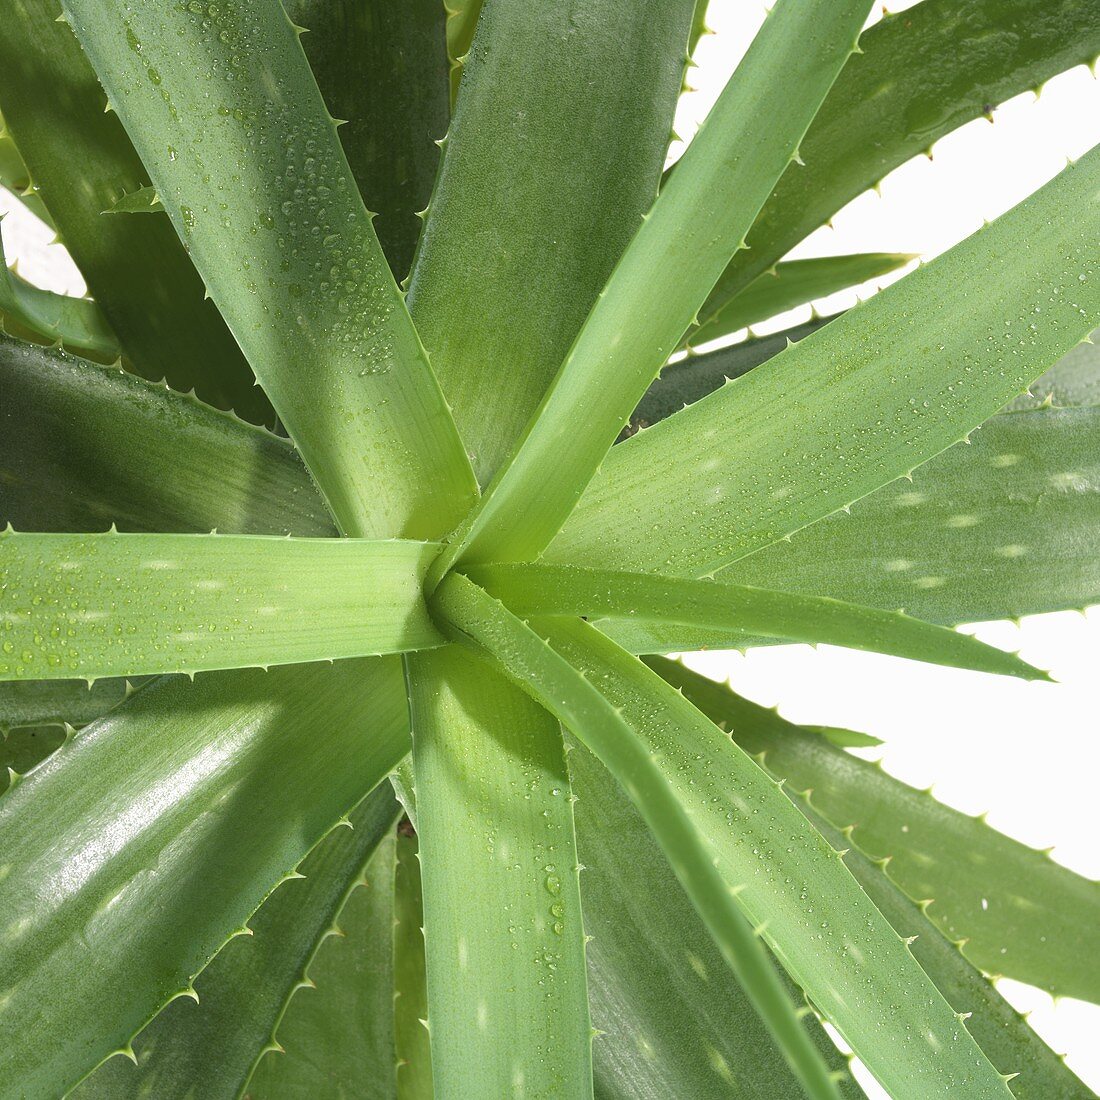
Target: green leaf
697, 223
539, 192
338, 1036
922, 73
136, 850
670, 1018
1004, 1035
1007, 526
1073, 380
536, 590
462, 17
502, 908
25, 748
81, 162
144, 200
792, 284
84, 446
30, 703
46, 317
686, 380
1020, 913
211, 1048
17, 180
258, 187
873, 394
121, 605
486, 626
726, 829
383, 68
410, 994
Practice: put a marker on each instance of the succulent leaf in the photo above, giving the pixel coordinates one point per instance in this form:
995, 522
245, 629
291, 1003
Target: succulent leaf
410, 992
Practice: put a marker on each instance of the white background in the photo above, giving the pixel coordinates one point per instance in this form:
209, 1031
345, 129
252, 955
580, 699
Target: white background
1025, 752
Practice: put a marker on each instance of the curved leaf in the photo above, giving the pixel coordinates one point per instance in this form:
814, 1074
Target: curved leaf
508, 1008
258, 187
697, 223
534, 590
538, 194
211, 1048
873, 394
33, 703
410, 993
922, 73
1021, 914
134, 852
81, 163
120, 605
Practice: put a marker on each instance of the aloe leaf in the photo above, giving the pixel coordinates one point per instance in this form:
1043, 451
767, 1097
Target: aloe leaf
534, 590
741, 850
1036, 1072
81, 162
15, 178
486, 626
922, 73
1004, 527
211, 1047
49, 318
31, 703
1020, 913
697, 223
410, 994
861, 402
462, 17
84, 446
24, 748
539, 193
1073, 380
383, 69
258, 187
338, 1036
212, 791
670, 1018
120, 605
686, 380
792, 284
504, 942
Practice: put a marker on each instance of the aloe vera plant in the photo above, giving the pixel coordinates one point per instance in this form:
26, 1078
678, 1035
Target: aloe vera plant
342, 757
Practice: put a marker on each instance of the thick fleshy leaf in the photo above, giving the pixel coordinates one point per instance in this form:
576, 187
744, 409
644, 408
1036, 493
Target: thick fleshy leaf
540, 191
338, 1033
41, 315
502, 909
211, 1048
33, 703
873, 394
135, 851
84, 446
487, 627
922, 73
534, 590
671, 263
740, 847
410, 990
82, 163
670, 1018
25, 747
462, 17
792, 284
121, 605
258, 187
15, 178
1021, 914
382, 69
1073, 380
1006, 1038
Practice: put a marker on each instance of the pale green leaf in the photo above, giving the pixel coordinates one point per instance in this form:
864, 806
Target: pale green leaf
410, 993
120, 605
508, 1008
81, 162
540, 191
258, 187
861, 402
534, 590
1021, 914
922, 73
697, 223
210, 1048
136, 850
